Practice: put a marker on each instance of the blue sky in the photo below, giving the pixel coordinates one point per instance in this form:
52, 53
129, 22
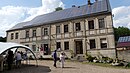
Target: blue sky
16, 11
68, 3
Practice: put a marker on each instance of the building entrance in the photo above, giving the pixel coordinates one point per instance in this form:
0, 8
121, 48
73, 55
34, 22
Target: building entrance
79, 47
46, 50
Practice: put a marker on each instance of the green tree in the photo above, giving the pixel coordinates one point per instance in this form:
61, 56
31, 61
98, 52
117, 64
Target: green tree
121, 31
2, 39
58, 8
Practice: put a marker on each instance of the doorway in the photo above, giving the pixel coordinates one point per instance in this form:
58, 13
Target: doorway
46, 50
79, 47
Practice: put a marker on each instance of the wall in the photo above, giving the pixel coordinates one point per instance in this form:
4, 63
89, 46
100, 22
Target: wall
124, 55
104, 52
85, 35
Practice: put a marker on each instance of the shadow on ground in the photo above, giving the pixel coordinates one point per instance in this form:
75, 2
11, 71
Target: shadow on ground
29, 69
68, 67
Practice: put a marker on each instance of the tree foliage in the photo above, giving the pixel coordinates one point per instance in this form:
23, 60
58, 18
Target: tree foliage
2, 39
121, 31
58, 8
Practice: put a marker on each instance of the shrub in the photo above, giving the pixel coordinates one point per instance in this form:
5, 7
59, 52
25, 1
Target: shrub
128, 65
90, 58
72, 53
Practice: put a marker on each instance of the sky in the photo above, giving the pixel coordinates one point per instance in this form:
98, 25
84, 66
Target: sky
13, 12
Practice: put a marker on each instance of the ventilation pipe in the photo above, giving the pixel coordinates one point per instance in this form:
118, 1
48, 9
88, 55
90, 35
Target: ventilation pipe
73, 6
89, 2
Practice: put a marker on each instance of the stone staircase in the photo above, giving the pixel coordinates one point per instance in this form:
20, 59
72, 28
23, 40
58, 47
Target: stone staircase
79, 57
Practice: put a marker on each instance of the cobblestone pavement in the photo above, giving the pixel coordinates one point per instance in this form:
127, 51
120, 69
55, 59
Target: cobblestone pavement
70, 67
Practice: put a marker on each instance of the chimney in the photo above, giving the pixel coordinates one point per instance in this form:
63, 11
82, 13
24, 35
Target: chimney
89, 3
73, 6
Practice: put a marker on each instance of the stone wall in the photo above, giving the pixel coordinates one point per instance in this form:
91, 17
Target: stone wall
106, 53
124, 55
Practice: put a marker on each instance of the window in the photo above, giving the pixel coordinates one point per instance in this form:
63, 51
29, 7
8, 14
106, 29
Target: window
16, 35
66, 45
27, 34
65, 28
34, 33
103, 43
77, 26
58, 45
101, 23
91, 24
92, 44
45, 31
12, 36
34, 47
57, 29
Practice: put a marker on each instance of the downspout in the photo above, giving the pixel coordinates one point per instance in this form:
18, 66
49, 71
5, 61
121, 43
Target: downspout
50, 39
85, 37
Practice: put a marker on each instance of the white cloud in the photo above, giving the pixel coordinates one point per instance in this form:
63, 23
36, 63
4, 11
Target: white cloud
10, 15
47, 6
122, 16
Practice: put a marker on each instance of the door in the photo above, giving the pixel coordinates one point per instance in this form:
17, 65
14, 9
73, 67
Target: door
79, 47
46, 50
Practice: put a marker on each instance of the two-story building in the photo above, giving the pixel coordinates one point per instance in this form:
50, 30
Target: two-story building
80, 29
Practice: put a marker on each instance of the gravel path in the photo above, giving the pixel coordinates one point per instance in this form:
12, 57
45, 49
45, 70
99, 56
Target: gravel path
70, 67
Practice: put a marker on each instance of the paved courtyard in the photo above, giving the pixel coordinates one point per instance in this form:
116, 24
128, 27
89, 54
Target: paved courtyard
70, 67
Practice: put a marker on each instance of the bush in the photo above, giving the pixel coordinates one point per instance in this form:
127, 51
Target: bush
128, 65
90, 58
72, 54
